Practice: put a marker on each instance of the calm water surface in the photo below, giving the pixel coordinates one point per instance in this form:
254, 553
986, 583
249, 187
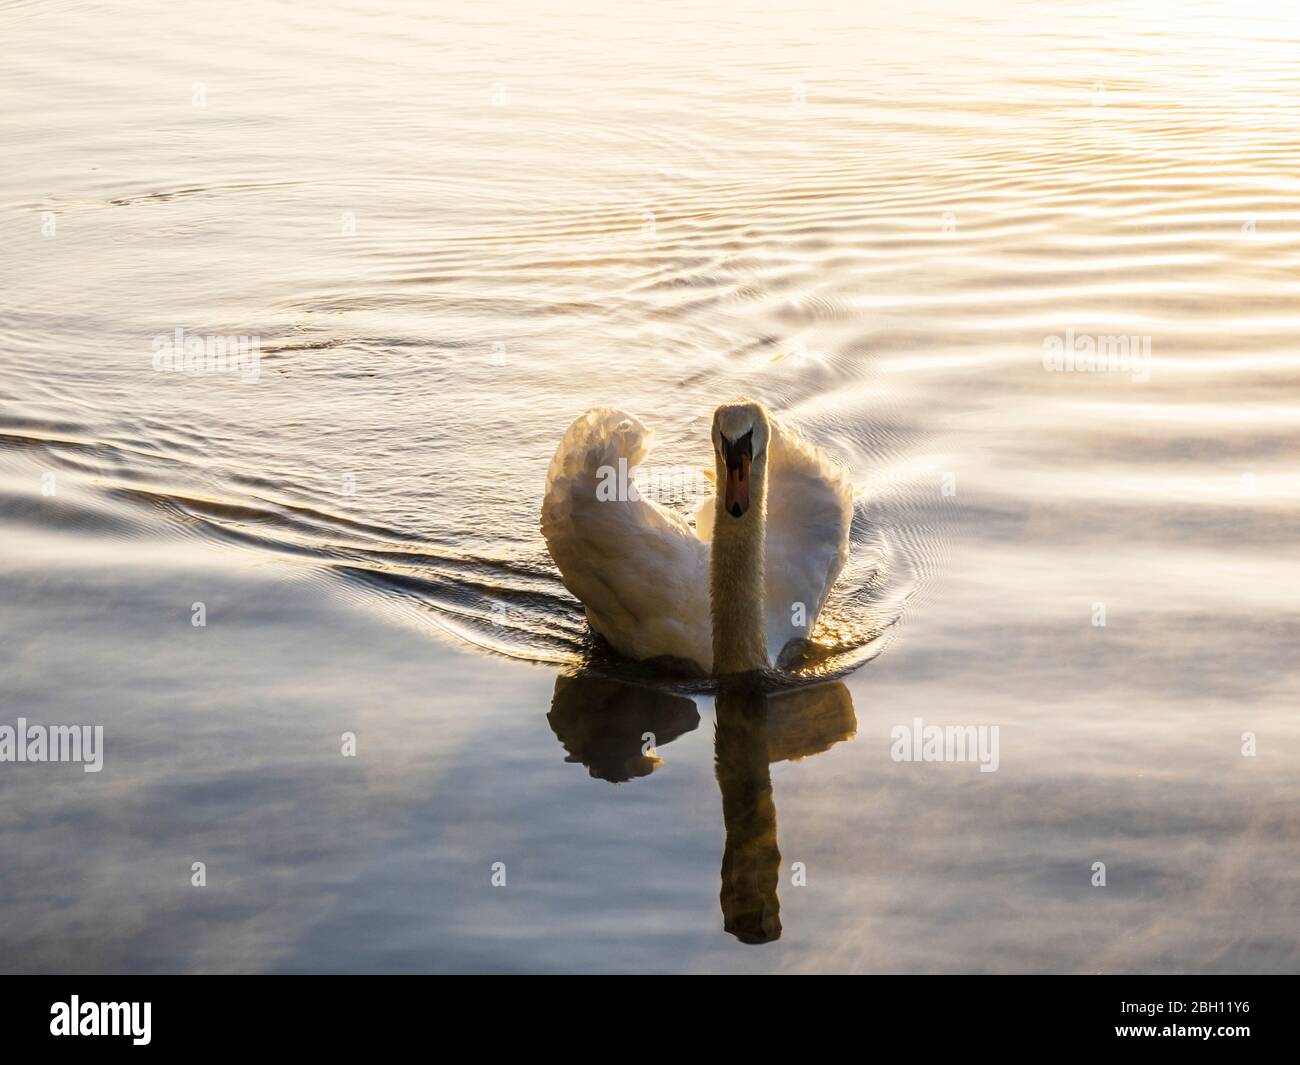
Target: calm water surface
453, 229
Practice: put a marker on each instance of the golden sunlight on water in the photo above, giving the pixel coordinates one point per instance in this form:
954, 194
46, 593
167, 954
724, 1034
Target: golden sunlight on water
1028, 271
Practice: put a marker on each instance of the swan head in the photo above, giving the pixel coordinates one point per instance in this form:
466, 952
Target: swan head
740, 437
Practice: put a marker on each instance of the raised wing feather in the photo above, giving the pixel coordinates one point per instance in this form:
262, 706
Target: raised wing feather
639, 569
809, 512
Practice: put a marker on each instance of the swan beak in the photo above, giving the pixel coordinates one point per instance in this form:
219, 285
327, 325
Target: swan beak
737, 491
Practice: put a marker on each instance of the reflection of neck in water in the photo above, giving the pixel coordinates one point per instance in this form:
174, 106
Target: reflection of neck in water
751, 862
753, 731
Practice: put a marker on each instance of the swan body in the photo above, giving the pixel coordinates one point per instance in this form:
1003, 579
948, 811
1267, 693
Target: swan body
734, 594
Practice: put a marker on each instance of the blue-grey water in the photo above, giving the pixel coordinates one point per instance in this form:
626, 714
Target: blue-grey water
451, 229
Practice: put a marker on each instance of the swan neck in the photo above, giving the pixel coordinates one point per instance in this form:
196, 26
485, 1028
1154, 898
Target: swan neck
737, 583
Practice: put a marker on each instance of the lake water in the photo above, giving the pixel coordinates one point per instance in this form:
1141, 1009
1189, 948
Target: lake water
452, 229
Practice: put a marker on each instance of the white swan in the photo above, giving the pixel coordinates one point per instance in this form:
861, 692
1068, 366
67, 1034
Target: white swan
736, 594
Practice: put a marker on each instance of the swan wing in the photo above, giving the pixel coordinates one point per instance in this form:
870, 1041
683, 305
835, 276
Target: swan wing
809, 513
638, 568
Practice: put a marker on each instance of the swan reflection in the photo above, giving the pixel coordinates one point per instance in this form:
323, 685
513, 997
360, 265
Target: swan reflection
603, 724
613, 727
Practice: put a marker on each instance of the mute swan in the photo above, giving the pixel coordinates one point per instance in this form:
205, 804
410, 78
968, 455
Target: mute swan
738, 593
